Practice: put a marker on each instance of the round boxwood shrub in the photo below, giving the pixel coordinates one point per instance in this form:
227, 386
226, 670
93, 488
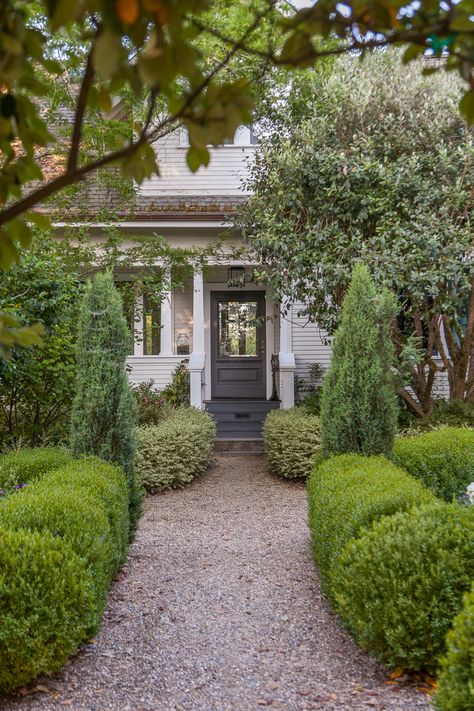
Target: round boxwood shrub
456, 682
27, 465
400, 584
172, 453
47, 605
443, 459
292, 438
109, 486
76, 517
347, 493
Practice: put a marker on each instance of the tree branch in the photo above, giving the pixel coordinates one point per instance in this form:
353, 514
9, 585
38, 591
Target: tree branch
80, 111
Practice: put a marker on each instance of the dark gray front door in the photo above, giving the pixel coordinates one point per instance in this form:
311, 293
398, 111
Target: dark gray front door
238, 344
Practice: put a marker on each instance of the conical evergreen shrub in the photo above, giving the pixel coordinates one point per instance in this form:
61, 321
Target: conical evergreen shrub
102, 421
359, 407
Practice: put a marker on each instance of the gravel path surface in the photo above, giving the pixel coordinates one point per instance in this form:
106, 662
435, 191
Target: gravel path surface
220, 608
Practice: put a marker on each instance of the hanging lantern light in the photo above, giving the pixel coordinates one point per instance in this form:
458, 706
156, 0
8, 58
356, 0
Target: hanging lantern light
236, 277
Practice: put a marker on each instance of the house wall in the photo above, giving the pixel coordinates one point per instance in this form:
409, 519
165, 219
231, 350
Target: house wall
309, 343
223, 176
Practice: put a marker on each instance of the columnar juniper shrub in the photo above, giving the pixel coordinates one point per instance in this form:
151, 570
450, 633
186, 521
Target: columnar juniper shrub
292, 438
347, 493
174, 452
400, 584
47, 605
456, 682
443, 459
359, 406
102, 420
79, 511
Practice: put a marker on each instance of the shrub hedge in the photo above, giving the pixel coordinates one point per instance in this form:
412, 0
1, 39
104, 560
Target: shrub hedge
292, 438
456, 682
400, 584
47, 605
27, 465
443, 459
75, 524
172, 453
347, 493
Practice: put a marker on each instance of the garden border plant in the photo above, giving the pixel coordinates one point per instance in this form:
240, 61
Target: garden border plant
64, 537
292, 439
443, 459
176, 450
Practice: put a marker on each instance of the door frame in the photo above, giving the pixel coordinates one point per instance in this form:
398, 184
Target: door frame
270, 315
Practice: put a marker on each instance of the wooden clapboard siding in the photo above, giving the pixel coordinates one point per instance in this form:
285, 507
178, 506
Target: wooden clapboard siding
156, 368
309, 344
223, 176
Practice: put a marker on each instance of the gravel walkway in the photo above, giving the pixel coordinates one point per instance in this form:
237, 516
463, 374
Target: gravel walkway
220, 608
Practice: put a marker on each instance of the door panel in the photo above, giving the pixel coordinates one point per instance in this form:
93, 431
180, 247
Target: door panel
238, 344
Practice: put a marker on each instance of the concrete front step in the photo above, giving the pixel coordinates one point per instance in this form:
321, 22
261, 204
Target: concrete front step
238, 447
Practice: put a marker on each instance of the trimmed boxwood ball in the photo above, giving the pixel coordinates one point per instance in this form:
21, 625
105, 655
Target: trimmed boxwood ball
443, 459
400, 584
30, 464
174, 452
108, 484
76, 517
456, 682
47, 605
292, 438
347, 493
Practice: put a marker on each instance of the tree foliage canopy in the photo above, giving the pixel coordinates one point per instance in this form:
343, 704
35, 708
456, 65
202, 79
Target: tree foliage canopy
380, 171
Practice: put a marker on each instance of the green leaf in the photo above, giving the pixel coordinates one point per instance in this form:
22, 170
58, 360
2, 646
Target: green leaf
107, 53
196, 157
466, 106
63, 11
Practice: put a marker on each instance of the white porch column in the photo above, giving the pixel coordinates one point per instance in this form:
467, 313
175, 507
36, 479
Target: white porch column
197, 358
286, 359
138, 345
166, 334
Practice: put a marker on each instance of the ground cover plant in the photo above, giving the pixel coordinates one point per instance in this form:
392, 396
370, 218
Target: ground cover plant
175, 451
349, 492
443, 459
400, 584
456, 682
292, 439
63, 539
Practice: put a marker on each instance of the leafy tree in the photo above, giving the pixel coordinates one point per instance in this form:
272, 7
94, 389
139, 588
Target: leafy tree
381, 171
359, 407
37, 382
102, 421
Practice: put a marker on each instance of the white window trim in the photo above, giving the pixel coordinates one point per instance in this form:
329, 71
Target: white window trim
242, 139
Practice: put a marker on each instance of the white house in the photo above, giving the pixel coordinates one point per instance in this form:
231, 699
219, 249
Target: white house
216, 316
222, 322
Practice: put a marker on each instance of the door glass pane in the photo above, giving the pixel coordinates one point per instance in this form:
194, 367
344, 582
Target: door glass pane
237, 329
151, 326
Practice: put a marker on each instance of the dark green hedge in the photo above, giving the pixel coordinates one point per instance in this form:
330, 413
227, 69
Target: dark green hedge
47, 605
443, 459
456, 682
77, 519
347, 493
27, 465
400, 584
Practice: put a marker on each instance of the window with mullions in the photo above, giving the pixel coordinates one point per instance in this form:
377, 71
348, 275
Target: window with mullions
151, 326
